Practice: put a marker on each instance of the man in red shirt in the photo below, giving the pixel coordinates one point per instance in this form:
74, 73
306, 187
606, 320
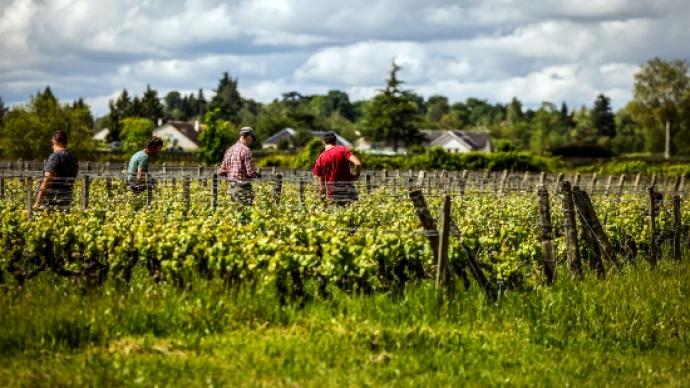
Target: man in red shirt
238, 166
332, 170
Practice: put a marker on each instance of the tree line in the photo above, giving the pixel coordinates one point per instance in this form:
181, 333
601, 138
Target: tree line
656, 120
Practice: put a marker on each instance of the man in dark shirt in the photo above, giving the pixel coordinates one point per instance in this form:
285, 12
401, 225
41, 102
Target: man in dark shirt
60, 170
332, 170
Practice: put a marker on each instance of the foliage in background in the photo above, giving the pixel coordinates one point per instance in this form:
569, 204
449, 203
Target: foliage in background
432, 159
135, 132
661, 100
218, 135
393, 116
26, 130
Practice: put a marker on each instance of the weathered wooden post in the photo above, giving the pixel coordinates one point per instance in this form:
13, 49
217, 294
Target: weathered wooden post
621, 184
654, 180
425, 217
149, 191
638, 180
198, 171
653, 250
109, 186
572, 253
214, 191
504, 180
576, 180
301, 192
420, 179
677, 227
85, 192
595, 178
442, 270
546, 234
542, 178
367, 182
165, 168
88, 166
28, 185
186, 192
593, 229
277, 188
609, 181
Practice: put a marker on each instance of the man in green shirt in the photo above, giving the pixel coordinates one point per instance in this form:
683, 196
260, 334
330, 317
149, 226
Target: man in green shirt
139, 165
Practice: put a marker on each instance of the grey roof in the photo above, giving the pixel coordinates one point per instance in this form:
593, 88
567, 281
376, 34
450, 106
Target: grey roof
433, 134
476, 139
287, 133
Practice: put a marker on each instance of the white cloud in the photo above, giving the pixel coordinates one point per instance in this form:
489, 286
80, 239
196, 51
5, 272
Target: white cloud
567, 50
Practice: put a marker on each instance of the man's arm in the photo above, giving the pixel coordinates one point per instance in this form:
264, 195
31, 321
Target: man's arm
250, 166
321, 186
141, 175
45, 185
358, 165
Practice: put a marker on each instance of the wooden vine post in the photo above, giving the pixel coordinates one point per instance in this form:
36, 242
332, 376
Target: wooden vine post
214, 191
677, 226
653, 250
425, 217
549, 263
149, 191
85, 192
621, 184
572, 253
595, 178
301, 192
186, 192
594, 232
367, 182
442, 269
28, 185
277, 188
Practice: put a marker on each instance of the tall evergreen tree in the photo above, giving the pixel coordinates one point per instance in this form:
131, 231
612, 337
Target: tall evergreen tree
3, 110
227, 99
393, 114
151, 106
603, 118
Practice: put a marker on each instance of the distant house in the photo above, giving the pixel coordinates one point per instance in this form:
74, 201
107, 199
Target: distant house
179, 135
101, 135
451, 140
458, 140
287, 134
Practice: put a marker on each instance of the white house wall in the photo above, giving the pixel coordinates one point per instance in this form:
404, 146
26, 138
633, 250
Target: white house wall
168, 133
453, 145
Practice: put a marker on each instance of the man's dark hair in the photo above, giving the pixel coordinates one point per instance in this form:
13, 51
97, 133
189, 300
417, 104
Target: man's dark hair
329, 138
60, 137
154, 142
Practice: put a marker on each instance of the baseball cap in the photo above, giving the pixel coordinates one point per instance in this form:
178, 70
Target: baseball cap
244, 131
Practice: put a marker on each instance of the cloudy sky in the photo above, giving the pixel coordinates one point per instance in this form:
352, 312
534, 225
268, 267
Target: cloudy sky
537, 50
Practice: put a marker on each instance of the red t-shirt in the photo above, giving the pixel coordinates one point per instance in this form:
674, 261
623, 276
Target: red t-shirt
334, 166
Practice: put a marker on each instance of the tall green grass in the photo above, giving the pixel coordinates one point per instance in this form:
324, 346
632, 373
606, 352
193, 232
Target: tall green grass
631, 328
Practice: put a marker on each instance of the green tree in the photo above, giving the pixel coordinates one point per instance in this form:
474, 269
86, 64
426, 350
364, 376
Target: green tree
603, 118
135, 132
151, 107
119, 109
585, 131
3, 110
218, 135
436, 108
629, 134
26, 130
393, 115
514, 111
661, 102
227, 99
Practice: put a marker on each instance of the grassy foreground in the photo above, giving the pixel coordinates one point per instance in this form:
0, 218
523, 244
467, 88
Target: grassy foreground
631, 329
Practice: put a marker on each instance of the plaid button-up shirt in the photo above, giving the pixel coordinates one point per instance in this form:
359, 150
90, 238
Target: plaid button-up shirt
238, 164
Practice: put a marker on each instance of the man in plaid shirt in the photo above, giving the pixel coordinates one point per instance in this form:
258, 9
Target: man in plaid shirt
238, 166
